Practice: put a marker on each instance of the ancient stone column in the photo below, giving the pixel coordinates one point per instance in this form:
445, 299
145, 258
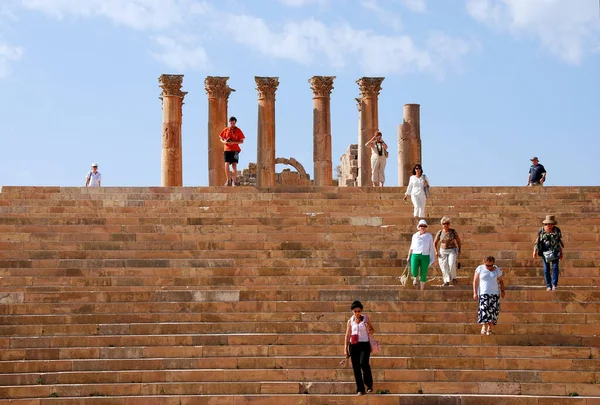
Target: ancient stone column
369, 122
265, 142
218, 95
172, 101
321, 87
409, 143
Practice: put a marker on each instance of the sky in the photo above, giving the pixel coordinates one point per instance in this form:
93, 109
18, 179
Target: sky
498, 81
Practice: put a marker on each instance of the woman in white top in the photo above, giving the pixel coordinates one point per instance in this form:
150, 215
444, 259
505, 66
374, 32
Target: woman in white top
358, 348
378, 159
421, 253
417, 190
485, 288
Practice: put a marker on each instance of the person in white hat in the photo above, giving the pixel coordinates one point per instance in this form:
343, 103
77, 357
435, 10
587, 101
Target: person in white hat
93, 178
549, 246
421, 254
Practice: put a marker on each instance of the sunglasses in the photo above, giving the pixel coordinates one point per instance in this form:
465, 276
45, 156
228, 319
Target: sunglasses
418, 168
422, 226
446, 223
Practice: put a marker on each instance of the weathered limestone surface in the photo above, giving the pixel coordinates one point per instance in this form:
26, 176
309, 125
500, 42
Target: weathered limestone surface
369, 123
409, 143
348, 169
218, 95
172, 102
265, 143
322, 87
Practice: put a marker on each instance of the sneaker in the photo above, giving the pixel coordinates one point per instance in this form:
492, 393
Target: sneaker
415, 282
369, 390
446, 285
360, 393
228, 183
483, 330
549, 289
554, 287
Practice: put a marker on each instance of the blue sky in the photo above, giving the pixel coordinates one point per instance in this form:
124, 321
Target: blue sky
498, 82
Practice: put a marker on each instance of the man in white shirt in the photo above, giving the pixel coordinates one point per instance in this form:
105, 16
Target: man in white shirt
93, 178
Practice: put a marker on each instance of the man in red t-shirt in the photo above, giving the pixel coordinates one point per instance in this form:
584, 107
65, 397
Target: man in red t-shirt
231, 137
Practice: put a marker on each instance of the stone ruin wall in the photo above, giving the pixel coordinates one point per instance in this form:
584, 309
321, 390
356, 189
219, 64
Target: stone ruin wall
348, 168
247, 177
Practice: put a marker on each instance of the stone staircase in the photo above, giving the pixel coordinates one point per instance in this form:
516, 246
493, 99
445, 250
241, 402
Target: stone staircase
231, 296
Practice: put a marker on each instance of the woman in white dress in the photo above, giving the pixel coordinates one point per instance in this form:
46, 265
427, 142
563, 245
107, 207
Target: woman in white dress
417, 189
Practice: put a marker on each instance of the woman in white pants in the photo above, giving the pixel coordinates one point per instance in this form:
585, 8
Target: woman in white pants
378, 159
448, 251
417, 190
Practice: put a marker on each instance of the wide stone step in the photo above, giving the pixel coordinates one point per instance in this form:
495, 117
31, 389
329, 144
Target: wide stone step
399, 317
383, 376
511, 357
174, 274
537, 300
311, 307
269, 388
182, 339
301, 327
12, 284
318, 399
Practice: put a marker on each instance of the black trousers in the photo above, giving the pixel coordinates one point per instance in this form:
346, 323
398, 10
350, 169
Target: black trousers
360, 353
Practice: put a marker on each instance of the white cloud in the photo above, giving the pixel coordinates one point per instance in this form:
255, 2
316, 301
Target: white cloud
417, 6
385, 16
569, 29
180, 54
312, 42
136, 14
8, 55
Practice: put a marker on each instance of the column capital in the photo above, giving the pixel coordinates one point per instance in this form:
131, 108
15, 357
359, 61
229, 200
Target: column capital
369, 86
171, 85
321, 85
266, 87
216, 87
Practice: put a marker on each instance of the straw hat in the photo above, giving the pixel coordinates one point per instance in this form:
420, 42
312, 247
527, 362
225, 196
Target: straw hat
549, 220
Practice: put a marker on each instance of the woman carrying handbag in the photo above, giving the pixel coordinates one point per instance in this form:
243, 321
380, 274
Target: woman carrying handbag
357, 347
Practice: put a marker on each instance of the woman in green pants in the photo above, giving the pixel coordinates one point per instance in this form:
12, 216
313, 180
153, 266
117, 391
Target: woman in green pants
421, 254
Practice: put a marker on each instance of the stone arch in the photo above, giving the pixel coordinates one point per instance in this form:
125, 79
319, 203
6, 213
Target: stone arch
295, 164
288, 178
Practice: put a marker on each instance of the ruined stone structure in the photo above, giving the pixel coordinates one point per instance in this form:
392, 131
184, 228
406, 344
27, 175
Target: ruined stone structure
321, 87
348, 169
265, 143
355, 167
247, 177
172, 102
409, 143
368, 123
218, 95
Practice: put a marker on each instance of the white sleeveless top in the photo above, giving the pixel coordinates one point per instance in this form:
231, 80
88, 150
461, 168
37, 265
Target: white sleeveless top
360, 329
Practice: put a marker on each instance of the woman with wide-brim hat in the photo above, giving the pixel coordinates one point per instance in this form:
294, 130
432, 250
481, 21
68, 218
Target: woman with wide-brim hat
421, 254
549, 246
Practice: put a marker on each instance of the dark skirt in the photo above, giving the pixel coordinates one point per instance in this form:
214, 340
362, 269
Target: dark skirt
489, 308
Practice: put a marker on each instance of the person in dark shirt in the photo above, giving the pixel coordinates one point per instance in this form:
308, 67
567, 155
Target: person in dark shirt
537, 173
